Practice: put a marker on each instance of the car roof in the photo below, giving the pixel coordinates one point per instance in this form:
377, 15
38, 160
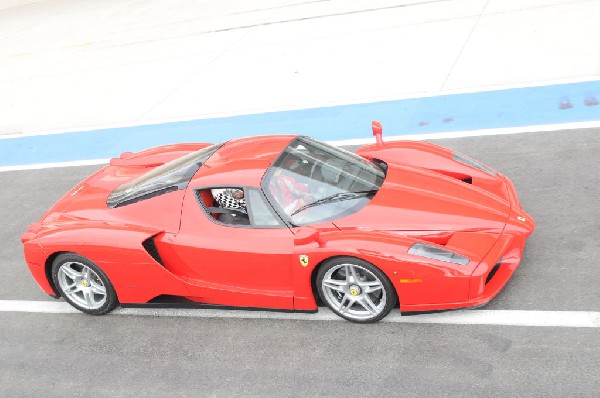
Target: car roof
241, 162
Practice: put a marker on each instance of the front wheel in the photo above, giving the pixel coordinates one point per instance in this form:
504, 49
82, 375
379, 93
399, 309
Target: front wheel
83, 284
356, 290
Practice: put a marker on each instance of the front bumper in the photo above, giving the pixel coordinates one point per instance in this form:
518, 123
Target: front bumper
493, 273
487, 279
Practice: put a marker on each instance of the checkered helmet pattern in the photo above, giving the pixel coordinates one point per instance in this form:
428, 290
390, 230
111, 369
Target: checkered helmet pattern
226, 200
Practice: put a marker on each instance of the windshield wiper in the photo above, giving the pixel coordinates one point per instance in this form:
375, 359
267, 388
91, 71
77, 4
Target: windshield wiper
338, 197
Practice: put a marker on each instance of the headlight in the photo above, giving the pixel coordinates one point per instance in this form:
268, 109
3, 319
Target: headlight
473, 163
435, 253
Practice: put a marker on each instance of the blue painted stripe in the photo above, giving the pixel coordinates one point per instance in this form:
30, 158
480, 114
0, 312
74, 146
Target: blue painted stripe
554, 104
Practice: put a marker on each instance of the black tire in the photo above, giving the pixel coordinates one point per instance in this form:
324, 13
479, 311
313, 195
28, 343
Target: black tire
85, 285
367, 290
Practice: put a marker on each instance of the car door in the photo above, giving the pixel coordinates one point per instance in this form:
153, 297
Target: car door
234, 264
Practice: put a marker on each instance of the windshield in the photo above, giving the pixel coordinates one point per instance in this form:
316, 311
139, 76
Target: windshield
312, 182
171, 176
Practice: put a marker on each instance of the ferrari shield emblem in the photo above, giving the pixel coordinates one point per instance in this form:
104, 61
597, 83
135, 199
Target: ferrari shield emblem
304, 260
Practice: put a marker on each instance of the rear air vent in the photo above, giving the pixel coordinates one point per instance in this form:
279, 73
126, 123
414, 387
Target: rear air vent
150, 247
493, 271
473, 163
468, 180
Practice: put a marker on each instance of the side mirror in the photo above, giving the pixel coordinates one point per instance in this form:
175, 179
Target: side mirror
306, 235
377, 131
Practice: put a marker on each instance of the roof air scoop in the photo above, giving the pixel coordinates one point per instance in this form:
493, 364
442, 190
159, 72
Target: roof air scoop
377, 131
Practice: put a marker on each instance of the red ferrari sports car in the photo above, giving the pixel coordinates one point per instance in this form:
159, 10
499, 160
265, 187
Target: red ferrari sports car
283, 222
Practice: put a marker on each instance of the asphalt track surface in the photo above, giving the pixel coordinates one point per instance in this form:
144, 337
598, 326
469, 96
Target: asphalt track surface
557, 179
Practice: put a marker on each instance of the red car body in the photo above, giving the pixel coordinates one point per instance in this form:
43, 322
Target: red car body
427, 196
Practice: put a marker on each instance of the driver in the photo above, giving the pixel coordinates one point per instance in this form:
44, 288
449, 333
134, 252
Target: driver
232, 199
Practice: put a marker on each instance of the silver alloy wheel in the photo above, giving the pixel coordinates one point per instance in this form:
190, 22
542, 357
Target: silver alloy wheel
82, 285
354, 291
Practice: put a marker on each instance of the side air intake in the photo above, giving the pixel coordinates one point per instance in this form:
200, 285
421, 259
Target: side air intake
493, 271
150, 247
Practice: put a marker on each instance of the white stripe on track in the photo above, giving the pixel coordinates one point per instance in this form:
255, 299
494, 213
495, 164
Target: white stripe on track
39, 166
542, 128
575, 319
362, 141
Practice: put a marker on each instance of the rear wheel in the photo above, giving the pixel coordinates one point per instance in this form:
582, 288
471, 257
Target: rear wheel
356, 290
83, 284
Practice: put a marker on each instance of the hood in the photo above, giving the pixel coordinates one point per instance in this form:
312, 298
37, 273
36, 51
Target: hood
412, 199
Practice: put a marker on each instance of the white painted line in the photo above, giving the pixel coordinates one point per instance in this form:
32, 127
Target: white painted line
363, 141
53, 165
574, 319
580, 319
474, 133
46, 307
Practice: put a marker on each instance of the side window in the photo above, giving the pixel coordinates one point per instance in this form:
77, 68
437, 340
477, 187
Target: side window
237, 206
261, 213
226, 205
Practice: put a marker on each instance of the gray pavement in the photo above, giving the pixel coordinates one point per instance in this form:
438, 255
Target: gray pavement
556, 175
79, 355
